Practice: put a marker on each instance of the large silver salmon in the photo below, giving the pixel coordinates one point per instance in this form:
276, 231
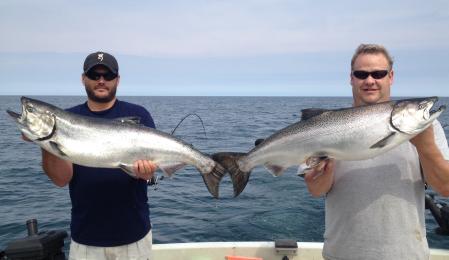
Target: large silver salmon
355, 133
106, 143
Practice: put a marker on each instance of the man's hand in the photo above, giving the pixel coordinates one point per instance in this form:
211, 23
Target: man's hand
320, 179
144, 169
424, 139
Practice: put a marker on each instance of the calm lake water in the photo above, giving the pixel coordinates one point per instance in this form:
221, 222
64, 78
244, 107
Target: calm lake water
182, 210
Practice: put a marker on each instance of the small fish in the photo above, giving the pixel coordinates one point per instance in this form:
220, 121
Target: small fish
355, 133
106, 143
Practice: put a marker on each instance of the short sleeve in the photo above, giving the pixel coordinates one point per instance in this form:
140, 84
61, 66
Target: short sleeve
146, 119
440, 139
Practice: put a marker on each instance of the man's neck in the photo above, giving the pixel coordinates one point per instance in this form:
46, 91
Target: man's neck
97, 106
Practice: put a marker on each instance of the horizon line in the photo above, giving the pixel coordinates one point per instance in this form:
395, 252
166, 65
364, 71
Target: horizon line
118, 96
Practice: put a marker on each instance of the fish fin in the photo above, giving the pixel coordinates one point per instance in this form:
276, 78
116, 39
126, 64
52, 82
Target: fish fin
129, 169
229, 161
13, 114
313, 161
311, 112
276, 170
258, 141
301, 170
170, 169
134, 120
310, 163
212, 179
384, 141
57, 148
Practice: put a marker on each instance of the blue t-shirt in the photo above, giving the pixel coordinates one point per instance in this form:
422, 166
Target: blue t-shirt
109, 207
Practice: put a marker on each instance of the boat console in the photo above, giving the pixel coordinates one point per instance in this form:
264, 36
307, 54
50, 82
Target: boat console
37, 245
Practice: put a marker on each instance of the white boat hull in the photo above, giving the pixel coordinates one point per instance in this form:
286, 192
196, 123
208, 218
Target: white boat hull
264, 250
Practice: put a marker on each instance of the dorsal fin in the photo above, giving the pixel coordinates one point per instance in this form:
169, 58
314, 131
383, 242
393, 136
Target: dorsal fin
311, 112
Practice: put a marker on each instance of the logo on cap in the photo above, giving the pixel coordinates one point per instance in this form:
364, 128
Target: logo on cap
100, 57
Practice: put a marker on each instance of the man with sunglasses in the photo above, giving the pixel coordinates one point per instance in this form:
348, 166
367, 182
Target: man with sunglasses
375, 208
110, 211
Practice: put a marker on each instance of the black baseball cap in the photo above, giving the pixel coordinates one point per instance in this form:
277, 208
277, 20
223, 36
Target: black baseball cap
101, 58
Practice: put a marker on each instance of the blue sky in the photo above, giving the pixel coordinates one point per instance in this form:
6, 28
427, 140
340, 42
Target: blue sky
221, 47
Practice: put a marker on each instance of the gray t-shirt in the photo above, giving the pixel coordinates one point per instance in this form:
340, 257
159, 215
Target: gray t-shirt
375, 209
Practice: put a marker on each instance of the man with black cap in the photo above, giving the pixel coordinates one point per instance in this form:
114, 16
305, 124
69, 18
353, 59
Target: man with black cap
110, 211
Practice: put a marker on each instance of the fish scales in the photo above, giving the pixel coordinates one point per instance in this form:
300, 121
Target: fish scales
355, 133
107, 143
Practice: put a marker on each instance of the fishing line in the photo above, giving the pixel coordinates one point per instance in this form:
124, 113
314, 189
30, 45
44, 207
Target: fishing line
192, 114
154, 181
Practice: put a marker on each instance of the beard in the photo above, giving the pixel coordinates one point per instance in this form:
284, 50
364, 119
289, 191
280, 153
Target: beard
91, 95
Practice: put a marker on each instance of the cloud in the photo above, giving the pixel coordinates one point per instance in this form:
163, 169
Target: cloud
219, 28
221, 47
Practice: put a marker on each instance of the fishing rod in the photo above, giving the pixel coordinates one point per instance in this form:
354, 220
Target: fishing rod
182, 120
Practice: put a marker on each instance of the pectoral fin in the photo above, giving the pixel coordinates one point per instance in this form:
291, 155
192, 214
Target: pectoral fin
384, 141
58, 149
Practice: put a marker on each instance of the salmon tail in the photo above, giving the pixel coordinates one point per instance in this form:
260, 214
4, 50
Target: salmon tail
212, 179
229, 161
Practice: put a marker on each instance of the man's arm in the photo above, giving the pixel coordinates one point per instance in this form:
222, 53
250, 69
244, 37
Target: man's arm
58, 170
435, 166
320, 179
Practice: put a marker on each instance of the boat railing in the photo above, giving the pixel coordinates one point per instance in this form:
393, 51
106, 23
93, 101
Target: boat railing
440, 212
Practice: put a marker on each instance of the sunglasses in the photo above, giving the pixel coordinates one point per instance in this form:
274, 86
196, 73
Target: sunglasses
377, 74
93, 75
